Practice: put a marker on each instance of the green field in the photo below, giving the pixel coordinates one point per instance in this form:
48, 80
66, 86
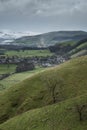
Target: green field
29, 53
4, 68
71, 43
10, 68
29, 104
18, 77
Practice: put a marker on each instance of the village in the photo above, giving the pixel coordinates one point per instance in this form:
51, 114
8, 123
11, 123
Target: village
29, 63
36, 60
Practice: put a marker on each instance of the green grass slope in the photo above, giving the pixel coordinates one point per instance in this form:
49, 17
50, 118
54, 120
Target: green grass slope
80, 50
61, 116
79, 53
33, 93
17, 78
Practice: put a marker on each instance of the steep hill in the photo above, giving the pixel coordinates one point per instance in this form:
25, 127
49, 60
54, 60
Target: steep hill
35, 92
80, 49
71, 49
62, 116
48, 39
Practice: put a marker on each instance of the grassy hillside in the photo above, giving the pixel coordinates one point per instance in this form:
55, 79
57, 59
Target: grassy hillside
17, 78
6, 69
34, 93
70, 48
71, 43
62, 116
77, 49
79, 53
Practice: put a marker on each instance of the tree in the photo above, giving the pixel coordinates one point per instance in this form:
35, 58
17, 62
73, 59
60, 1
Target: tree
7, 62
21, 67
54, 85
81, 109
51, 82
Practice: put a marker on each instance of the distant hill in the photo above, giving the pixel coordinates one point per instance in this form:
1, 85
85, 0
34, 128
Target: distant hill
66, 43
5, 38
51, 38
8, 36
20, 102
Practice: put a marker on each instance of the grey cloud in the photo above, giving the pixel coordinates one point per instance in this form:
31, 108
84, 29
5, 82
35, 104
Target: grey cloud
4, 1
44, 13
43, 7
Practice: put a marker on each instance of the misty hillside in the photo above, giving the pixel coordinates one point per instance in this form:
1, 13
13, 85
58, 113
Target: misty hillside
51, 38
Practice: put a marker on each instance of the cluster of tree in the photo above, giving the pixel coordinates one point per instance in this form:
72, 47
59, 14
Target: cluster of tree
3, 76
59, 49
82, 41
21, 67
20, 47
54, 86
64, 49
82, 111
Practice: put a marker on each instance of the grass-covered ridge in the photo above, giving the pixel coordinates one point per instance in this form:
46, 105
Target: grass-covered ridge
33, 93
61, 116
79, 50
17, 77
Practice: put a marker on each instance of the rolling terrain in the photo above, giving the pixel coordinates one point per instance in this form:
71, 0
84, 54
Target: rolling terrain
66, 43
51, 38
29, 105
70, 49
17, 77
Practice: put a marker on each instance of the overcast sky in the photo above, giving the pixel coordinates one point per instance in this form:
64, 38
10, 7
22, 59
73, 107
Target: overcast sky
43, 15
